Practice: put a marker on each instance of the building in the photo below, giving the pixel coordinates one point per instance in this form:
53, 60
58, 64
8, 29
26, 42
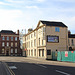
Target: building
71, 41
9, 43
47, 37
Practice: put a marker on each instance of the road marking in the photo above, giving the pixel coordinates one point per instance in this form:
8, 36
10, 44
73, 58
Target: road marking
12, 67
42, 66
62, 72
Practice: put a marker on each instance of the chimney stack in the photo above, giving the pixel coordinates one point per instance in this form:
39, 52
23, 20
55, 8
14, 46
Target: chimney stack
18, 32
29, 30
69, 32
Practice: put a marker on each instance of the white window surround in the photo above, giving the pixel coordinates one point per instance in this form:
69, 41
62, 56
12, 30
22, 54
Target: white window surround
15, 50
11, 50
7, 43
15, 38
3, 44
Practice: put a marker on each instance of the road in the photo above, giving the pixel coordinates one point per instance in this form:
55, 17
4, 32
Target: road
33, 66
39, 69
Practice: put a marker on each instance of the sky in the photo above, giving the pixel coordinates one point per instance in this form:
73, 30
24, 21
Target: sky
25, 14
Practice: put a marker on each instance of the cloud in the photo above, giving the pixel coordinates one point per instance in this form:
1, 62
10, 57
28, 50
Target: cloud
40, 0
15, 1
2, 3
32, 7
65, 0
8, 17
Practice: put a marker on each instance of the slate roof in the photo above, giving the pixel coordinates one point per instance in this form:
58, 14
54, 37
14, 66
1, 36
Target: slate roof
52, 23
7, 32
71, 36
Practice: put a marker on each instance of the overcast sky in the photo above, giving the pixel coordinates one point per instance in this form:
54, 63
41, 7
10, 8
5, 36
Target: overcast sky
24, 14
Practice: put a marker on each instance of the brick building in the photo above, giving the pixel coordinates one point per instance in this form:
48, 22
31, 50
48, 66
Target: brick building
9, 43
71, 41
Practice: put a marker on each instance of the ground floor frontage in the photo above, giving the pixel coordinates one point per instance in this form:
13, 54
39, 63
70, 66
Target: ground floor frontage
8, 51
39, 53
42, 52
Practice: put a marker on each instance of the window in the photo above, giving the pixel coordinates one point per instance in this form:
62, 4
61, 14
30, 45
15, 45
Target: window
35, 52
11, 44
7, 38
39, 41
31, 43
3, 38
15, 50
39, 52
11, 50
15, 44
3, 43
44, 29
72, 42
31, 35
27, 52
43, 52
57, 29
35, 42
3, 50
34, 33
31, 52
68, 42
11, 38
15, 38
48, 52
42, 42
7, 44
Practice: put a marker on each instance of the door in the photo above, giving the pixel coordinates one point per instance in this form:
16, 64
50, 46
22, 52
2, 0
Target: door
7, 53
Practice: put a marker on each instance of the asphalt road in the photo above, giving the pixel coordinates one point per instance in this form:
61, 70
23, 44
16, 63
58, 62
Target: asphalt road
20, 68
3, 69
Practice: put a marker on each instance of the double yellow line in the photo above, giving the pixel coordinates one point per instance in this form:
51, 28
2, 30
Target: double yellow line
11, 72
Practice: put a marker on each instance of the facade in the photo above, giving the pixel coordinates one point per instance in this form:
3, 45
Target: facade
9, 43
47, 37
71, 41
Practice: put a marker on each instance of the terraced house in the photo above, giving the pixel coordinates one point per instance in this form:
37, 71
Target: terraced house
71, 41
48, 36
9, 43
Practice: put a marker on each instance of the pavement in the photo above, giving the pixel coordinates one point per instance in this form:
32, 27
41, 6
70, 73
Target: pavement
35, 60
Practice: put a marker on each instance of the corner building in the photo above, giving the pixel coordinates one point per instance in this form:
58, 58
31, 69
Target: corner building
47, 37
9, 43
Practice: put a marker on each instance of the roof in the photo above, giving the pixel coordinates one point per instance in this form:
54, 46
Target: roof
52, 23
7, 32
71, 35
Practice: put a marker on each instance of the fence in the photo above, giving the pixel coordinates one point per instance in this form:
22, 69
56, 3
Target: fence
66, 56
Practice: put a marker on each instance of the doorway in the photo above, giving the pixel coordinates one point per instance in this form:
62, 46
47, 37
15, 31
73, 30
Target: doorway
7, 53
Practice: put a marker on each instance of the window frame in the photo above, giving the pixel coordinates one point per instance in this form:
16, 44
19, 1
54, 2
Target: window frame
16, 38
11, 51
7, 38
11, 38
57, 29
16, 51
49, 52
3, 38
